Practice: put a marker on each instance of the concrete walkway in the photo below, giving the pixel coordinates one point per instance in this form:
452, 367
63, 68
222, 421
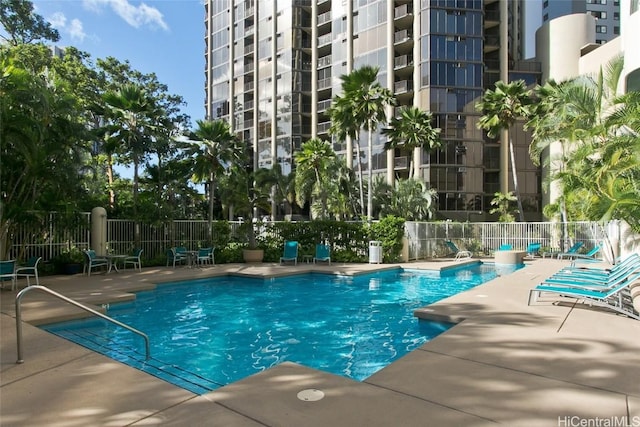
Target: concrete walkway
504, 363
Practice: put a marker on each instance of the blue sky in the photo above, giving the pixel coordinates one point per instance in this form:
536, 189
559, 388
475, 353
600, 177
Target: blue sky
165, 37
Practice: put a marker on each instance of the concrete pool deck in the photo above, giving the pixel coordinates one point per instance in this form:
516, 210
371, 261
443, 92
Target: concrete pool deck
504, 363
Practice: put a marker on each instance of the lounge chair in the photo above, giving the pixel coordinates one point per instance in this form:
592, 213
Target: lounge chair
91, 261
323, 253
505, 247
588, 256
533, 250
8, 272
290, 252
457, 253
628, 273
134, 259
205, 256
177, 255
614, 298
29, 270
572, 250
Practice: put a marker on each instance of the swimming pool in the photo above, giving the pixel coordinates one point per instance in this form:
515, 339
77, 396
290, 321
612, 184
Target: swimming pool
210, 332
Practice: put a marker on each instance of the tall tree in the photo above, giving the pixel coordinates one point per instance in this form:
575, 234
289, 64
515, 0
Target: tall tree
362, 106
22, 25
412, 129
134, 117
313, 162
213, 148
501, 109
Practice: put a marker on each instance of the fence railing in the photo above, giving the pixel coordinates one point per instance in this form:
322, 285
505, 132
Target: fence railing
53, 233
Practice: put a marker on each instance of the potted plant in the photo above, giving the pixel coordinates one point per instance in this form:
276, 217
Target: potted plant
70, 261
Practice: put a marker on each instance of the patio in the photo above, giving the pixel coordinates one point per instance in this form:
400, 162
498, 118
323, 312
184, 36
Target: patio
504, 363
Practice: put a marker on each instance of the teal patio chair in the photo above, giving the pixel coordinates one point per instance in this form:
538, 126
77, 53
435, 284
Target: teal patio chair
8, 272
505, 247
205, 256
135, 260
29, 270
177, 255
91, 261
290, 252
323, 253
591, 255
533, 250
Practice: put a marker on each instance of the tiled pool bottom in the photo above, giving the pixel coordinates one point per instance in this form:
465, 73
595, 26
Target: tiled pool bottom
211, 332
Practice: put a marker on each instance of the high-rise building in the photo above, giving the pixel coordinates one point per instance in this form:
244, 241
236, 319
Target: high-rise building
274, 66
605, 12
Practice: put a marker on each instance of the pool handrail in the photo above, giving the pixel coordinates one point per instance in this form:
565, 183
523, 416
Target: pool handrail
72, 302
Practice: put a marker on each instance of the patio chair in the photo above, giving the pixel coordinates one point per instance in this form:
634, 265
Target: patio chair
572, 250
505, 247
8, 272
323, 253
628, 271
457, 253
91, 261
533, 250
614, 298
176, 256
205, 256
135, 260
290, 252
29, 270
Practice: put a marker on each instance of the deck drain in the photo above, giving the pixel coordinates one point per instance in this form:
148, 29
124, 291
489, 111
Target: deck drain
310, 395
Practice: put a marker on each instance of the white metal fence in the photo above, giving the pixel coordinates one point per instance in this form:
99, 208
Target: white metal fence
51, 234
427, 239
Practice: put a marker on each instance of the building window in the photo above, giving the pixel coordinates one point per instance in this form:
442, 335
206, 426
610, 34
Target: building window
601, 29
616, 16
545, 4
596, 1
545, 18
616, 30
599, 14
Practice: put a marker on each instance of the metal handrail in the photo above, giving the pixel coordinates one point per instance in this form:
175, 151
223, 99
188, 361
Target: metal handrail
72, 302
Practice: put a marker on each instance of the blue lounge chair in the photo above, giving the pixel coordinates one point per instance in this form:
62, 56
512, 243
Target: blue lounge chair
290, 252
629, 273
29, 270
456, 252
572, 250
505, 247
323, 253
588, 256
614, 298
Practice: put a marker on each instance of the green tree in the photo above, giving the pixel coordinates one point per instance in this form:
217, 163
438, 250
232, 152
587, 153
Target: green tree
213, 148
410, 199
503, 203
133, 116
22, 25
361, 106
501, 108
313, 163
410, 130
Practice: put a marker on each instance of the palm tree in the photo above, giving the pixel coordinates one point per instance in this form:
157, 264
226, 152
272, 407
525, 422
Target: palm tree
501, 109
133, 117
409, 199
502, 203
213, 146
312, 164
412, 129
361, 106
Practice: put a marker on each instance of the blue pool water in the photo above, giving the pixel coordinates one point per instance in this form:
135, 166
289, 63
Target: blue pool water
210, 332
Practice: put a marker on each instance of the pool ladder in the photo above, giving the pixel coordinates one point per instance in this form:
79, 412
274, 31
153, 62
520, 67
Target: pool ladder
72, 302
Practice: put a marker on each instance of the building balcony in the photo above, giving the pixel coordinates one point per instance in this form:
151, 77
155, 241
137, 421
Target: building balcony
324, 105
401, 37
401, 163
324, 84
324, 127
324, 18
324, 40
402, 62
325, 61
403, 86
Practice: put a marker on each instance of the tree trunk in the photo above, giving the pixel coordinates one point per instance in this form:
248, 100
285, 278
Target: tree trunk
360, 177
515, 179
370, 176
112, 194
211, 195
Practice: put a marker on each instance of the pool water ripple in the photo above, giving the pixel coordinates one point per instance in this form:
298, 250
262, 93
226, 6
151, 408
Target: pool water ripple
224, 329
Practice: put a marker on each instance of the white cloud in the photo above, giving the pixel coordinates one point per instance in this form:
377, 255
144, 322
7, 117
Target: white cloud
74, 29
136, 16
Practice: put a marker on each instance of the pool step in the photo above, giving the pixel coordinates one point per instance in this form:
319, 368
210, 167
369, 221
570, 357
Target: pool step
132, 357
